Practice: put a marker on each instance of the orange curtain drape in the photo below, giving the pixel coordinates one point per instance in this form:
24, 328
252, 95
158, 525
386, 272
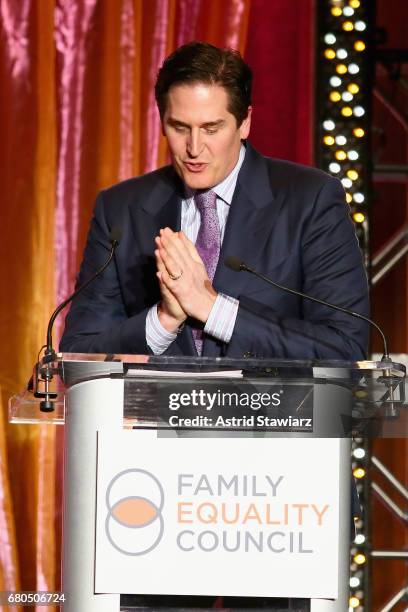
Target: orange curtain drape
27, 179
77, 113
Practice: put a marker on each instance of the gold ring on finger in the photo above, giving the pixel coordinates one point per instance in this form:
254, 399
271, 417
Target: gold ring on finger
176, 277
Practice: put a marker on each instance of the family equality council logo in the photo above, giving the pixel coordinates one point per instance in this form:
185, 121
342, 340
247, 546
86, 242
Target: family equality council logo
134, 524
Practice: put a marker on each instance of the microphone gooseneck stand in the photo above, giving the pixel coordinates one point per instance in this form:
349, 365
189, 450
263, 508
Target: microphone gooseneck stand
43, 371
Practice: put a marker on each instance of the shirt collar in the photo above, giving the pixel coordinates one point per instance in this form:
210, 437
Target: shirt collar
225, 189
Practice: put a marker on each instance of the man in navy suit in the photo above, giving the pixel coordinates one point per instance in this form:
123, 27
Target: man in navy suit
169, 291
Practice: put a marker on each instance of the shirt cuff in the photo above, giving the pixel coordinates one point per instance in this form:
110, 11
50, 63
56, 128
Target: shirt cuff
221, 320
157, 338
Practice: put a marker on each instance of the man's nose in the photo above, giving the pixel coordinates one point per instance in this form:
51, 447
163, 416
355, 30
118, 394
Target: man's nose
194, 143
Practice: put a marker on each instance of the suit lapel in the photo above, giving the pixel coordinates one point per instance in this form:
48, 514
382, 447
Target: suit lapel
250, 222
162, 208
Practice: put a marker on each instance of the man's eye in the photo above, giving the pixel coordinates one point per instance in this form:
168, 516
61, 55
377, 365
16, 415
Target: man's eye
180, 128
211, 130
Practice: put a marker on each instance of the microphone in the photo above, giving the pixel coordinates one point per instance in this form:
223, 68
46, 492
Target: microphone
240, 266
45, 373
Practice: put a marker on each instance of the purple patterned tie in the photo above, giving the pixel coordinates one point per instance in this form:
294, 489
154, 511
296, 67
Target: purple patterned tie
208, 243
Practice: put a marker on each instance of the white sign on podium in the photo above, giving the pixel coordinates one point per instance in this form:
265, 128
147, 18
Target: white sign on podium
217, 516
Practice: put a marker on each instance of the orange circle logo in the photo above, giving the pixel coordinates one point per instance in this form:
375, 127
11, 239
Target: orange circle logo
134, 523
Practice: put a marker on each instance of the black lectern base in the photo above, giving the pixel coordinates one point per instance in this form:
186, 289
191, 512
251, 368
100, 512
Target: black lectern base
171, 603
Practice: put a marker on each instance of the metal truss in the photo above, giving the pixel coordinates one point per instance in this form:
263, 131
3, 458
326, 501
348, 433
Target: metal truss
398, 512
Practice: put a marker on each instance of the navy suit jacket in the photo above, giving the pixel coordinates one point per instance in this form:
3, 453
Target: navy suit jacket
288, 221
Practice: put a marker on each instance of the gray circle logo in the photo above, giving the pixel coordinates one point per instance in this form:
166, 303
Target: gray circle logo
134, 523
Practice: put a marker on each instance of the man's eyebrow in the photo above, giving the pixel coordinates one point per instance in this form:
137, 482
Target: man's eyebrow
174, 121
207, 124
210, 124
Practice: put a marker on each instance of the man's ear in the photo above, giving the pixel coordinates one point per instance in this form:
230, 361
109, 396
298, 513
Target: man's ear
245, 126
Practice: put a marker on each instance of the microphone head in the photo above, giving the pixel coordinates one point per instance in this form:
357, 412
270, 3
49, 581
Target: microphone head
234, 263
115, 236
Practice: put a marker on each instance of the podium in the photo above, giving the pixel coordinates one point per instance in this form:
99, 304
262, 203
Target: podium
211, 477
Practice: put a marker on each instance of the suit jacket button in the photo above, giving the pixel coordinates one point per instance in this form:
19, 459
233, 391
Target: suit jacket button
247, 355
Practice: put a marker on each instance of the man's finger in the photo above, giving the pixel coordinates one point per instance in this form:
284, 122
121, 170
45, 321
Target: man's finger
194, 254
168, 257
159, 261
172, 266
172, 243
162, 276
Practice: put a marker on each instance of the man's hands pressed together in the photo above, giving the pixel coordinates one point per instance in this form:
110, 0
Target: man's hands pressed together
185, 287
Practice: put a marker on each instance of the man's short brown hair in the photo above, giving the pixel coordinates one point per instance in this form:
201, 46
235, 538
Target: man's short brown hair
198, 62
